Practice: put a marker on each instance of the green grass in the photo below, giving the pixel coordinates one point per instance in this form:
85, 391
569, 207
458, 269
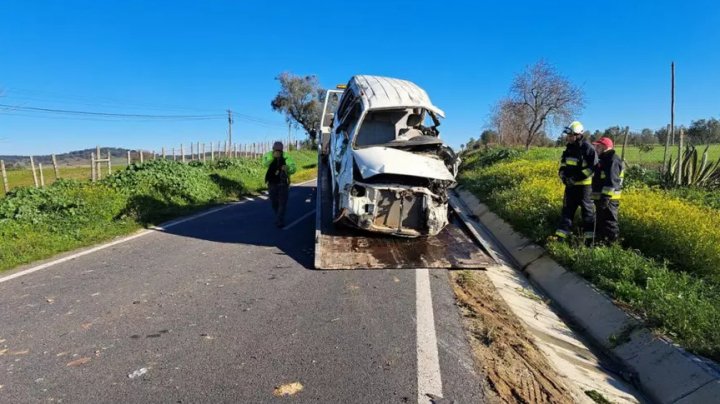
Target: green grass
39, 223
23, 177
633, 155
677, 292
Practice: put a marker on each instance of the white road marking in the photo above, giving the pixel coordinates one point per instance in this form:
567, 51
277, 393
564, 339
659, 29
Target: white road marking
116, 242
299, 220
263, 197
305, 182
428, 359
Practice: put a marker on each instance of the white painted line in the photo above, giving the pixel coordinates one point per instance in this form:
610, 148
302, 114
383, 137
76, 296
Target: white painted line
428, 359
248, 199
305, 182
116, 242
299, 220
263, 197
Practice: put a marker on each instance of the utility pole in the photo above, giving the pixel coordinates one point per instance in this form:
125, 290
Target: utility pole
289, 126
230, 122
672, 102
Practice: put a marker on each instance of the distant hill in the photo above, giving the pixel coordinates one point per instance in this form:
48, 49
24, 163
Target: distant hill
73, 158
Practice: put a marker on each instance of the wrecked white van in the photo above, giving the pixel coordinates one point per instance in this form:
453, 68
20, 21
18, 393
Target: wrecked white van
390, 170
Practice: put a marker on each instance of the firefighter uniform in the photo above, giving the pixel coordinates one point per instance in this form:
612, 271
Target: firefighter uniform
576, 170
606, 192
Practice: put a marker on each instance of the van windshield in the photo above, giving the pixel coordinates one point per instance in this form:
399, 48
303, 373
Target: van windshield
390, 127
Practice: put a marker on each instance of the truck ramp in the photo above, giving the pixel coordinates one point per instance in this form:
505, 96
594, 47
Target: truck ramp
342, 247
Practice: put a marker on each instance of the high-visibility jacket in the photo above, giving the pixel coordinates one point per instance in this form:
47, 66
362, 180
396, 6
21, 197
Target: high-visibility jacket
578, 161
267, 160
608, 178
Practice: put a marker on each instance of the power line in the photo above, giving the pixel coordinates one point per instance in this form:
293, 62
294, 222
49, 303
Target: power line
105, 114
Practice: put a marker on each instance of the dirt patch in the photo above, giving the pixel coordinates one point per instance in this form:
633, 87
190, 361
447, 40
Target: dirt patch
514, 366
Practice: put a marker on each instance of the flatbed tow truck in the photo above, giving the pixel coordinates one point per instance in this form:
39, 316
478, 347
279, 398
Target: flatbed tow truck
458, 245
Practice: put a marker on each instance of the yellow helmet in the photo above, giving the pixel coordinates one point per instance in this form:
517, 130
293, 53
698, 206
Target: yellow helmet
575, 128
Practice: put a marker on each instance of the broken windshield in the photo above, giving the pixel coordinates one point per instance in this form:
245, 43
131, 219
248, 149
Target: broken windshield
395, 127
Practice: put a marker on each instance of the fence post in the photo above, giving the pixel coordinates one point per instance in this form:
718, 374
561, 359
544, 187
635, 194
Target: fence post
174, 157
93, 173
203, 153
32, 165
55, 167
129, 158
142, 158
163, 152
98, 156
6, 186
109, 163
42, 176
182, 153
212, 152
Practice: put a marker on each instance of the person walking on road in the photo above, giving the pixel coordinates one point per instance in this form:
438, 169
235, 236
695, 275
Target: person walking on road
606, 190
577, 166
280, 166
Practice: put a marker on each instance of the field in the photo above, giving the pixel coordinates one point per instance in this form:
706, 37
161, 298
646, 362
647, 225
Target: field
23, 177
633, 154
666, 268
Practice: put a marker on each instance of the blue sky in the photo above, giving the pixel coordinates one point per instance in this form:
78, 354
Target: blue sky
203, 57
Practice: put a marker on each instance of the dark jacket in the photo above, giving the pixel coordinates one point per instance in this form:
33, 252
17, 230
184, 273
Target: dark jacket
577, 163
608, 178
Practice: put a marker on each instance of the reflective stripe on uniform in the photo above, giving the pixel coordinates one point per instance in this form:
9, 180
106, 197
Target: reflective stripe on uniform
587, 171
571, 161
586, 181
602, 175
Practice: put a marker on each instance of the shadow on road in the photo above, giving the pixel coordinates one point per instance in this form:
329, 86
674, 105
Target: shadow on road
251, 222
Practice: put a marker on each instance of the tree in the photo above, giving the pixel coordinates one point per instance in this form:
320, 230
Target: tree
538, 97
489, 136
300, 100
704, 131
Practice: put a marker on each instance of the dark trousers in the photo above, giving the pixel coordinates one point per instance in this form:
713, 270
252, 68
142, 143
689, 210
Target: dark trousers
608, 229
279, 198
577, 196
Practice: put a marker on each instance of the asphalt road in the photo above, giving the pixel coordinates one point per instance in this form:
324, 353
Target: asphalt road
225, 308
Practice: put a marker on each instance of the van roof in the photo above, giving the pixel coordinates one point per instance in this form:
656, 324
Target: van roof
385, 93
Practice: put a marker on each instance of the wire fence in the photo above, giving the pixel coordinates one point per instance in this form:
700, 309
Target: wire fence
29, 171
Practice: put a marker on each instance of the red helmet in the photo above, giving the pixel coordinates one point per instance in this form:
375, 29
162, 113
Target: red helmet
605, 141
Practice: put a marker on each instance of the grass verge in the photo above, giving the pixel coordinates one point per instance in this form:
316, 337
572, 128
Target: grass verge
676, 292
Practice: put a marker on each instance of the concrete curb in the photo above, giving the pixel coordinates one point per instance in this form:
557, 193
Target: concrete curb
662, 370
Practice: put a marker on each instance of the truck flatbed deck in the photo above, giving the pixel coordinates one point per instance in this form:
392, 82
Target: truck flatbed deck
340, 247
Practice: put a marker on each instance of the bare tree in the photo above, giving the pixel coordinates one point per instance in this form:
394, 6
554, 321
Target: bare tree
538, 97
300, 100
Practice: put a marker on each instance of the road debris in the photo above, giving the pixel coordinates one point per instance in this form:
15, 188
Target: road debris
25, 352
137, 373
289, 389
78, 362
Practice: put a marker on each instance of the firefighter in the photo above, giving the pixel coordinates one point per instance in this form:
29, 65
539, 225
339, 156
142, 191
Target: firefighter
606, 190
576, 170
279, 168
